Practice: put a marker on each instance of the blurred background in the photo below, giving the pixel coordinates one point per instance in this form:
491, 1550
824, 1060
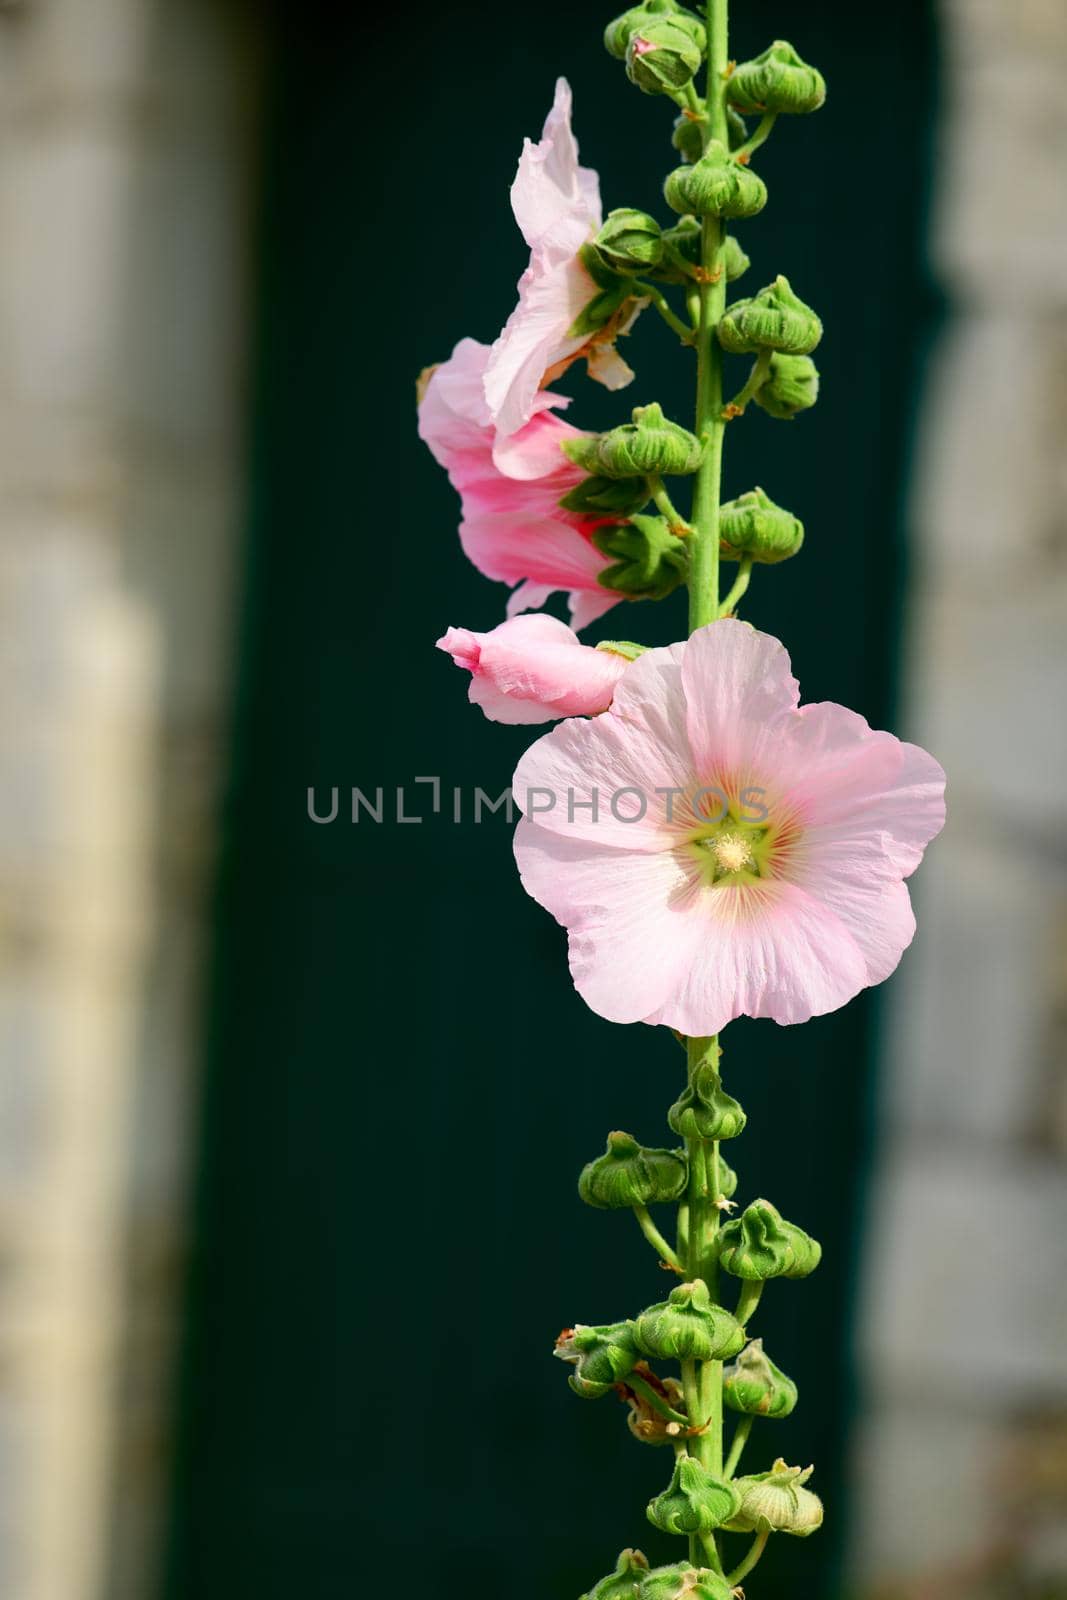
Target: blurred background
291, 1112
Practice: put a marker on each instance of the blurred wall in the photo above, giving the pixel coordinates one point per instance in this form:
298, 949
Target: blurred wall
963, 1451
124, 131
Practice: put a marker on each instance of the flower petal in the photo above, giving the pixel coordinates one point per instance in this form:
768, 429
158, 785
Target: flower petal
638, 746
740, 689
629, 950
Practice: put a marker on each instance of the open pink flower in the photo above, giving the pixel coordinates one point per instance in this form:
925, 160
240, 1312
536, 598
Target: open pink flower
513, 528
533, 669
716, 850
557, 206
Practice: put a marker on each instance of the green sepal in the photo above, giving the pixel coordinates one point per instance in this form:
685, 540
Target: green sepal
663, 55
704, 1110
583, 450
683, 1582
756, 1387
753, 526
621, 1584
776, 80
601, 1356
689, 1326
628, 1174
791, 386
614, 292
774, 319
649, 444
777, 1501
648, 561
694, 1501
760, 1244
630, 241
622, 647
715, 186
620, 497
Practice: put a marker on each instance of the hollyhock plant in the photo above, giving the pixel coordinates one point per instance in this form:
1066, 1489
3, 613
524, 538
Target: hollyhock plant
717, 851
714, 848
513, 527
533, 669
557, 206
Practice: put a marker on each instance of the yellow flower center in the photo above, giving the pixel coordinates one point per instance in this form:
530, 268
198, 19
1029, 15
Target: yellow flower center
732, 852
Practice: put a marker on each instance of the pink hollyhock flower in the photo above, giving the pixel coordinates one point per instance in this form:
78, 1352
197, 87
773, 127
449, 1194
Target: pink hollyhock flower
715, 849
513, 528
532, 669
557, 206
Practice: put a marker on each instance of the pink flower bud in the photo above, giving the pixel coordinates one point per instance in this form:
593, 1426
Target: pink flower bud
534, 668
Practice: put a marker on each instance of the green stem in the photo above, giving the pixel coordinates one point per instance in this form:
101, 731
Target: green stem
655, 1238
748, 1299
737, 1444
704, 1191
704, 561
634, 1381
744, 573
759, 1544
664, 503
760, 368
659, 300
762, 133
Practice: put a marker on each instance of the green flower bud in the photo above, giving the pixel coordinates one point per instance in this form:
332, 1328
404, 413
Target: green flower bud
752, 525
649, 561
736, 260
792, 385
648, 444
607, 496
664, 54
774, 319
704, 1110
630, 241
756, 1387
694, 1501
688, 137
617, 33
777, 1500
600, 1356
643, 1420
759, 1244
622, 1583
688, 1325
629, 1175
584, 452
683, 1582
778, 80
715, 186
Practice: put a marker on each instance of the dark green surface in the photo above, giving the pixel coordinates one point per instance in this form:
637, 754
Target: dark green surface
402, 1085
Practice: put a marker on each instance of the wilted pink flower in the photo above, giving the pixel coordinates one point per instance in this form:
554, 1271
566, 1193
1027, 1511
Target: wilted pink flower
715, 850
533, 669
557, 206
513, 528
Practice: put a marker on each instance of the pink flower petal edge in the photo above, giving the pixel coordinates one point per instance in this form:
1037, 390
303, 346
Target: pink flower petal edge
557, 206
